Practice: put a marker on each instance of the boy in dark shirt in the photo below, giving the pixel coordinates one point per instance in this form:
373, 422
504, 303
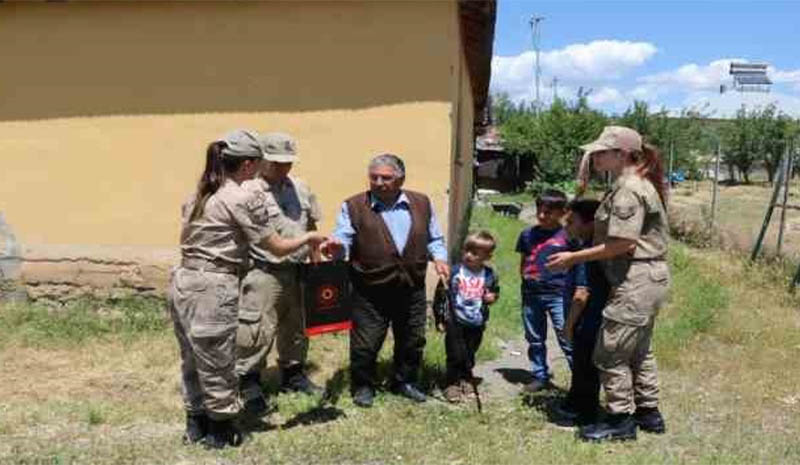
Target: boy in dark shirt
543, 290
583, 322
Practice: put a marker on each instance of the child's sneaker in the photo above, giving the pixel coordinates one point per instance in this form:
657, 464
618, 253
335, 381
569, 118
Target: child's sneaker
454, 393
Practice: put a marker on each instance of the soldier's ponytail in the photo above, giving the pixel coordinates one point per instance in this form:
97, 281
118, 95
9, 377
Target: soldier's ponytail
211, 180
651, 167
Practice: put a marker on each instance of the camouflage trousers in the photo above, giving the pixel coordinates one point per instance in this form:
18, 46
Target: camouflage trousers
203, 307
270, 310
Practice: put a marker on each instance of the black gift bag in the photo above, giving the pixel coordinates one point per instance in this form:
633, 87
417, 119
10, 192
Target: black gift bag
327, 297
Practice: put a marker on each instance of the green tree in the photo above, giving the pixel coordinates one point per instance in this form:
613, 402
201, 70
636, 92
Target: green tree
503, 108
760, 135
776, 131
637, 117
740, 142
551, 138
682, 134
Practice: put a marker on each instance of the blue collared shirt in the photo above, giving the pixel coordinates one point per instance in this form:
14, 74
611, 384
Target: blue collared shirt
397, 218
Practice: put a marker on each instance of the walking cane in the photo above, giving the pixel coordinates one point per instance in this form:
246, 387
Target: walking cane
477, 393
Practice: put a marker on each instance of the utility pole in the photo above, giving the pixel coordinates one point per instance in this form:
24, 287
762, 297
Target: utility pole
536, 35
555, 88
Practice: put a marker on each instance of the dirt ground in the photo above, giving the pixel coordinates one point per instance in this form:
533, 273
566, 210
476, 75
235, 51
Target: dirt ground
504, 377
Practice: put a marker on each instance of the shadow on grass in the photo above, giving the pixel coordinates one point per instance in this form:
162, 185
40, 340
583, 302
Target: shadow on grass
317, 415
249, 425
545, 401
431, 376
516, 376
325, 410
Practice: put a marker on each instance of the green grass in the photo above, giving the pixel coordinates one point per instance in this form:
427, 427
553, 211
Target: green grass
697, 299
79, 321
95, 415
727, 344
518, 197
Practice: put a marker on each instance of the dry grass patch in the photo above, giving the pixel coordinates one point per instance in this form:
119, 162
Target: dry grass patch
740, 215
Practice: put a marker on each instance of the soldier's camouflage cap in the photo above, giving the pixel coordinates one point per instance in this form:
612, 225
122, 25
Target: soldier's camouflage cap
241, 143
615, 137
278, 147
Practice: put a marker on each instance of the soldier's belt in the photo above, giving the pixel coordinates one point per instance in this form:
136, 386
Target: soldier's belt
212, 266
283, 267
648, 260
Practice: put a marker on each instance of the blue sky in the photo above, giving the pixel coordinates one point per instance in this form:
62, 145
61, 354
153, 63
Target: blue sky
669, 53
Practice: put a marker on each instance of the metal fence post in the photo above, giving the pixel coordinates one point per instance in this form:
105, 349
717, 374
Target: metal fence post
770, 208
787, 176
716, 186
669, 174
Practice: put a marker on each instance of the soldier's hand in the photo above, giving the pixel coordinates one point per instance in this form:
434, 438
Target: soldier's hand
560, 261
314, 239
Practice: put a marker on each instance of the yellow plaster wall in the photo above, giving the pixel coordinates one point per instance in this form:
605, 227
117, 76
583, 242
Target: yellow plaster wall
463, 157
106, 108
120, 179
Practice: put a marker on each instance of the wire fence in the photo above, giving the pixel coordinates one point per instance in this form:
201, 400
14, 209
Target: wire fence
760, 218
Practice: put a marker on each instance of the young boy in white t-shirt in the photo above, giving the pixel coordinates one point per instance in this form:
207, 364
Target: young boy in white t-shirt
473, 287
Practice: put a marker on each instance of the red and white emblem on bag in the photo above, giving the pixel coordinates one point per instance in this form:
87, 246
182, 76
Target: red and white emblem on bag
327, 296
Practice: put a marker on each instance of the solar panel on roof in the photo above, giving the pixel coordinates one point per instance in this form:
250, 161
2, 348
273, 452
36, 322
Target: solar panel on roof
753, 79
739, 67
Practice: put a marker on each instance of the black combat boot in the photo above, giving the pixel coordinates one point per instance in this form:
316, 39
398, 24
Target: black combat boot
196, 428
619, 427
221, 434
294, 379
649, 419
256, 404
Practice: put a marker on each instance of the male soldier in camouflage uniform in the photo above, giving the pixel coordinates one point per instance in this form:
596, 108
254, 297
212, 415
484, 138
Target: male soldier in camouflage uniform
632, 233
271, 291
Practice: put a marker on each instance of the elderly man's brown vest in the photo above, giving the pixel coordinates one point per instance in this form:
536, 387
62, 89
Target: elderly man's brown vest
373, 255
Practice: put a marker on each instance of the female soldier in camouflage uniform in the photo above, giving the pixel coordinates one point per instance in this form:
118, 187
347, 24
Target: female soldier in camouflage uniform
219, 224
632, 234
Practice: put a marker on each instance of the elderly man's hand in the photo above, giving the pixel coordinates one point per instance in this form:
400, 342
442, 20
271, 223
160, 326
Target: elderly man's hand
442, 269
331, 248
